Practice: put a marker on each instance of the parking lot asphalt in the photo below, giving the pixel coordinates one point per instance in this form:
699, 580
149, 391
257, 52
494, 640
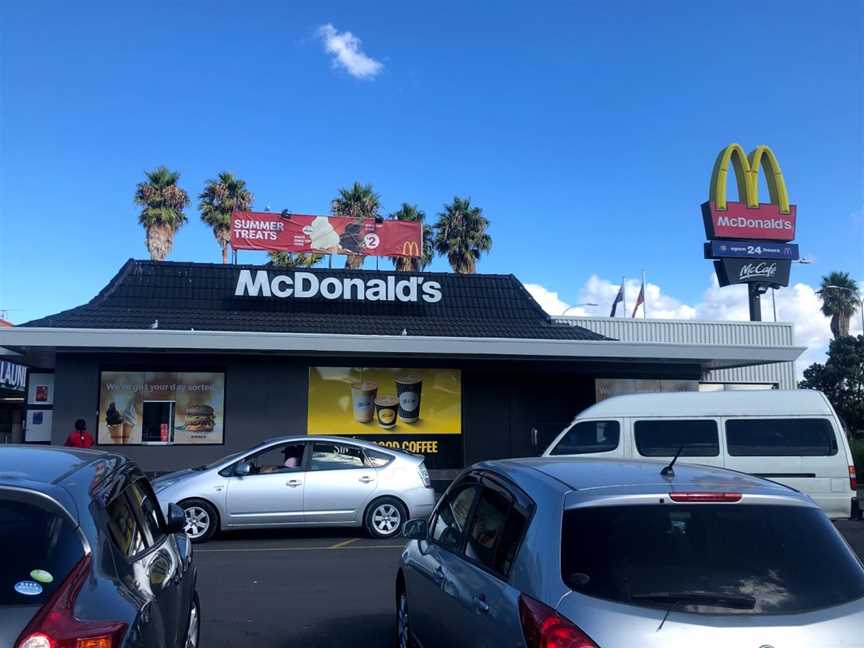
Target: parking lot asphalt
312, 587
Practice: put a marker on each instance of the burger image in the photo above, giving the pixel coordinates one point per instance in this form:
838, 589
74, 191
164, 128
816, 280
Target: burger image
199, 418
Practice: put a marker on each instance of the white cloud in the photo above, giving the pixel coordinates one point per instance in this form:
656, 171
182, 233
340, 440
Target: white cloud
345, 48
798, 304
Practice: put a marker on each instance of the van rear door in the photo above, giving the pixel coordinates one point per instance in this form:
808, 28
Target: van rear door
802, 452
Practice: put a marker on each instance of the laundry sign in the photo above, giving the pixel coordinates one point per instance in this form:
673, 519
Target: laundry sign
13, 376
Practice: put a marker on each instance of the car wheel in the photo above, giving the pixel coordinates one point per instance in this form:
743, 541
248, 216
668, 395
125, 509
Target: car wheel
403, 624
202, 520
193, 626
385, 517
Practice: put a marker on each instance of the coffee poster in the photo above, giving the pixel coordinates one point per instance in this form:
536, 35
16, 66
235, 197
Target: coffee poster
375, 401
179, 408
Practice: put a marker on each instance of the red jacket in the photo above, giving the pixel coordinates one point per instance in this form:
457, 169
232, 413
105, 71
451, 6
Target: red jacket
82, 439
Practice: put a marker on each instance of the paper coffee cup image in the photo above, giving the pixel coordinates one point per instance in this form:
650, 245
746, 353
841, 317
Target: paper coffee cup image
408, 389
363, 396
385, 409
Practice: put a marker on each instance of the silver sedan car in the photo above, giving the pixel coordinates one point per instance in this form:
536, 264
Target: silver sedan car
613, 554
302, 481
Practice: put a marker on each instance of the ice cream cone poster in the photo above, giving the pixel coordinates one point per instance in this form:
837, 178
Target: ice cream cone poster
325, 234
346, 400
179, 408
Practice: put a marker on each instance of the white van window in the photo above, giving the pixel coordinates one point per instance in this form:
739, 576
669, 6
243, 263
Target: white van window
780, 438
589, 437
656, 438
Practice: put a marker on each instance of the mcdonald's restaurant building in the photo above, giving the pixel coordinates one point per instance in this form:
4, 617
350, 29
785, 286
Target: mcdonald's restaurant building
178, 364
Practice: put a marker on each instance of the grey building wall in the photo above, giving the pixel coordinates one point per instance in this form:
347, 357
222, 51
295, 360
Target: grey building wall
768, 334
266, 396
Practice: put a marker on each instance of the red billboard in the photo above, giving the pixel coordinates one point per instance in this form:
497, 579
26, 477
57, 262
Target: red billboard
738, 221
325, 234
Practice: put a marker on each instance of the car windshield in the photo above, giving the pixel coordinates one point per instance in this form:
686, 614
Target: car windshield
225, 459
40, 549
710, 558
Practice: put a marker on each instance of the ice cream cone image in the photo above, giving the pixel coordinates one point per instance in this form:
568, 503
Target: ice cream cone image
115, 424
116, 432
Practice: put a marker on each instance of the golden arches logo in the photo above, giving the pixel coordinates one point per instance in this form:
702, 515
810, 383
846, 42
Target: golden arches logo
410, 249
747, 177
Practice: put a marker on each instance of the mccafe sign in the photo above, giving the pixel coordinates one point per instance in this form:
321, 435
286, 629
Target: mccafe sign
308, 285
743, 271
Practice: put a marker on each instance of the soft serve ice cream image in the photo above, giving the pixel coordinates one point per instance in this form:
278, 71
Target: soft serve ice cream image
115, 423
130, 420
324, 237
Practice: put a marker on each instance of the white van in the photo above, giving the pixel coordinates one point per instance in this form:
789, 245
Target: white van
792, 437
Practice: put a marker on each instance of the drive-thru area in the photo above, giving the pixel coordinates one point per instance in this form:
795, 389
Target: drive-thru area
312, 588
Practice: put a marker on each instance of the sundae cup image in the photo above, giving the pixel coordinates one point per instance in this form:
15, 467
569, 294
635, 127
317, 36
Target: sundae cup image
324, 237
363, 396
385, 408
352, 238
115, 423
130, 420
199, 418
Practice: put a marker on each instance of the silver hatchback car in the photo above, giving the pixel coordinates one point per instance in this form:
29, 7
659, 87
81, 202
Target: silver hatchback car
302, 481
615, 554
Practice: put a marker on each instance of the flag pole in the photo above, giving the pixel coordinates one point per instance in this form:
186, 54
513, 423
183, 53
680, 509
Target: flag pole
624, 294
644, 298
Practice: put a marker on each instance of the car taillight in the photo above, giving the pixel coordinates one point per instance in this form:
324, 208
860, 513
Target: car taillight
543, 627
424, 475
55, 625
853, 479
705, 497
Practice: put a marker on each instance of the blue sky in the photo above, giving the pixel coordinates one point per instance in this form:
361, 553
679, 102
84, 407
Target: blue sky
585, 131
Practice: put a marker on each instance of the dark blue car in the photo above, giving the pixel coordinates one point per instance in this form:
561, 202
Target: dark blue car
88, 557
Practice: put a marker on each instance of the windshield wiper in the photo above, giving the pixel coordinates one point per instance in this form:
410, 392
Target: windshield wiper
734, 601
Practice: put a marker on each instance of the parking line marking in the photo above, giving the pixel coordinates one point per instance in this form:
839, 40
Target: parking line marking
262, 549
340, 545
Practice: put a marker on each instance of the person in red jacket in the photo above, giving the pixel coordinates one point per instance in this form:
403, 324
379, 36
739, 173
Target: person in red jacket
80, 437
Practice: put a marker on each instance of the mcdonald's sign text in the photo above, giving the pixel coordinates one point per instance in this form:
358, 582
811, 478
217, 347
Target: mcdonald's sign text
304, 233
738, 221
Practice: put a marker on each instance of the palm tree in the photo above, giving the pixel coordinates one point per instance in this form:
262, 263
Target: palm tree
359, 202
414, 264
461, 235
222, 196
163, 202
840, 299
289, 260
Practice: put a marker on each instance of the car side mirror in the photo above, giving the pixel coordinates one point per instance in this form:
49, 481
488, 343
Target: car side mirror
175, 521
242, 469
416, 530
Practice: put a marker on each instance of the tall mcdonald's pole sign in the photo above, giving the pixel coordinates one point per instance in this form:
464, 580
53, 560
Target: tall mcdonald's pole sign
749, 241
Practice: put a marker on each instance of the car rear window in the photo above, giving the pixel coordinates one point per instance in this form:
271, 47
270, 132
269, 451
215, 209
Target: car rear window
40, 548
785, 559
780, 438
589, 437
663, 438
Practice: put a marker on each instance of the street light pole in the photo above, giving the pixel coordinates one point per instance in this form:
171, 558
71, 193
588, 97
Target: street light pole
576, 306
857, 296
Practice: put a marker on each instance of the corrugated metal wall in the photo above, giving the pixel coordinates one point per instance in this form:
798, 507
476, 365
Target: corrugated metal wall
697, 332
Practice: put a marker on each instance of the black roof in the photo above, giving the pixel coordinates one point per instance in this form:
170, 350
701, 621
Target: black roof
200, 296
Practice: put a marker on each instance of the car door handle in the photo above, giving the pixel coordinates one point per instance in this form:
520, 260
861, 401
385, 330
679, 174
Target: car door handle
480, 604
294, 483
366, 479
439, 574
